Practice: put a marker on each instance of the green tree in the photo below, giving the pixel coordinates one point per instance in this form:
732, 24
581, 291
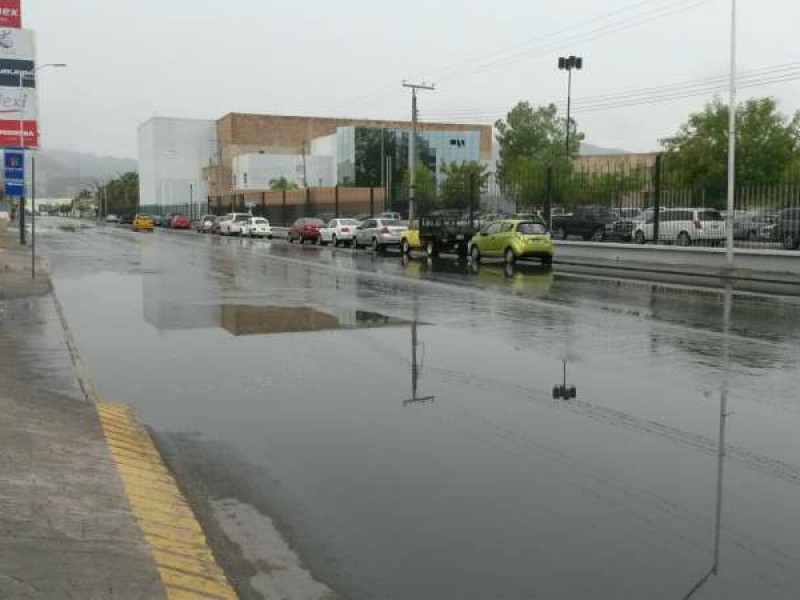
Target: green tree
531, 141
281, 183
424, 187
767, 145
120, 195
463, 184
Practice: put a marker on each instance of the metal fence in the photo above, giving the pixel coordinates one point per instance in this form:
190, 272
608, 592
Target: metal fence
633, 204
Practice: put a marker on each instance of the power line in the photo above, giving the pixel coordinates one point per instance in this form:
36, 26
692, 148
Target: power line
476, 58
660, 13
753, 78
627, 23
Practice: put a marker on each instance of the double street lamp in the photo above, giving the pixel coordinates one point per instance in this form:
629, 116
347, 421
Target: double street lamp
567, 63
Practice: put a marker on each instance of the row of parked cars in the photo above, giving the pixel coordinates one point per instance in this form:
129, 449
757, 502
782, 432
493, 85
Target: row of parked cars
683, 226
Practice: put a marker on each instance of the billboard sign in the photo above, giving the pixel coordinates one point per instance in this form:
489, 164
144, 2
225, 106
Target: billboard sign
10, 13
19, 112
14, 162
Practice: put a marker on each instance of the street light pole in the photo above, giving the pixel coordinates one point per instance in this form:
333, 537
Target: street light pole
567, 64
731, 145
33, 179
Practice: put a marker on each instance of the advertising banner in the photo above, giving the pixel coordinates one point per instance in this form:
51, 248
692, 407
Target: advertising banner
14, 161
17, 43
10, 13
19, 110
14, 133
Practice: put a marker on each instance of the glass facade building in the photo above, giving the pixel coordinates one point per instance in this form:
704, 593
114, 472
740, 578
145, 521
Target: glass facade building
368, 156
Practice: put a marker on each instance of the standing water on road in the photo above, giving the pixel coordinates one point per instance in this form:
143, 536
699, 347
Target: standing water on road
396, 418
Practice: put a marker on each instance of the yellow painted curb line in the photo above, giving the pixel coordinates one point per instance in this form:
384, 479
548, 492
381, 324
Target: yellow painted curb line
186, 566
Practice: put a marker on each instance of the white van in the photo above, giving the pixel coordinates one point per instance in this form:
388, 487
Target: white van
683, 226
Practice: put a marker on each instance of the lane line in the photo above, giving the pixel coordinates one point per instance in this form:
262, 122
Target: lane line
186, 566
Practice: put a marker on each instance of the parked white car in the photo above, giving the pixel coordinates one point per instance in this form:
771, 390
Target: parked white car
338, 231
231, 224
257, 227
683, 226
112, 219
379, 233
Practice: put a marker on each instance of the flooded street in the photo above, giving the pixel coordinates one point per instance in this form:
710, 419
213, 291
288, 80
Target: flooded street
396, 418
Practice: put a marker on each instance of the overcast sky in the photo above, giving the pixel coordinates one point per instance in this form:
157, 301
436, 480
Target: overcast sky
130, 60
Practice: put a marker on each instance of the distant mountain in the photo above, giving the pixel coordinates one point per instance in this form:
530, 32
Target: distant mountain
592, 150
63, 174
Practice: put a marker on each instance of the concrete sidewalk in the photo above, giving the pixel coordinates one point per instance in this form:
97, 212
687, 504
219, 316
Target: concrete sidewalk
66, 530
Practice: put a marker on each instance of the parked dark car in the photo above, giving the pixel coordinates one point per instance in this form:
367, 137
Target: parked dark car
180, 222
754, 225
624, 222
305, 229
787, 228
589, 222
158, 220
126, 220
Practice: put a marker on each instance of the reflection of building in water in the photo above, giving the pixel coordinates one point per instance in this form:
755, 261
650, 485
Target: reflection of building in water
169, 301
250, 320
241, 319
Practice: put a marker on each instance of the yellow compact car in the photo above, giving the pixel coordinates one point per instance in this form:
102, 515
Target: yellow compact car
410, 237
142, 223
512, 239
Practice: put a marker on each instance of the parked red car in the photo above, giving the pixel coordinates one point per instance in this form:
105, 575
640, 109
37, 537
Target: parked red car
305, 229
180, 222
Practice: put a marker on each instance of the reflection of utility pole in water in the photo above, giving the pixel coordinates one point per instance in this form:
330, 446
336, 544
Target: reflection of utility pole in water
723, 416
416, 368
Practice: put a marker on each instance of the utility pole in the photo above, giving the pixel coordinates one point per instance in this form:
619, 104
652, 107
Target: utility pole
731, 144
567, 64
305, 180
412, 143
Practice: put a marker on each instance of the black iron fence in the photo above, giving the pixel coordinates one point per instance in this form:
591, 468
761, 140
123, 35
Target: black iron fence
647, 203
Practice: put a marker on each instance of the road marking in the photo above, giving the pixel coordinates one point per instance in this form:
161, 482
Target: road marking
186, 566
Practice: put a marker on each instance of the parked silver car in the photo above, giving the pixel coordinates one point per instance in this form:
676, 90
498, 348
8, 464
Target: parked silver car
379, 233
338, 231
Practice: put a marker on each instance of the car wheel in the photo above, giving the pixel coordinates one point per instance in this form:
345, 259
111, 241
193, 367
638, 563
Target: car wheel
683, 239
752, 236
405, 248
334, 241
598, 234
475, 253
355, 244
289, 238
560, 234
639, 237
509, 255
375, 246
431, 250
547, 261
790, 241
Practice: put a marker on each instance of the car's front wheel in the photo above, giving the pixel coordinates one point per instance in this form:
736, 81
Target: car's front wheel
431, 250
639, 237
560, 234
334, 241
376, 247
405, 248
790, 241
683, 239
475, 254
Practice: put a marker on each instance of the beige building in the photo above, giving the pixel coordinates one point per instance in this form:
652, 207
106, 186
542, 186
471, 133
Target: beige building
240, 134
611, 162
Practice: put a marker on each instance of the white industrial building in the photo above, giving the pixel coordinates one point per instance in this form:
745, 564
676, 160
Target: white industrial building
172, 155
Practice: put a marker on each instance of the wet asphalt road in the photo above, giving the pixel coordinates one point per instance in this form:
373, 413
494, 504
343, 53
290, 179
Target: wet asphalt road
292, 366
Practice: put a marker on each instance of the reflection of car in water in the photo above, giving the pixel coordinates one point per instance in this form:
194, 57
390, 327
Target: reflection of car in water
518, 279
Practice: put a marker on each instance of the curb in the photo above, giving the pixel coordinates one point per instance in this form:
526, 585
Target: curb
186, 566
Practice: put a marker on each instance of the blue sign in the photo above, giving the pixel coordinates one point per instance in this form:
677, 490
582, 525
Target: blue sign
14, 162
